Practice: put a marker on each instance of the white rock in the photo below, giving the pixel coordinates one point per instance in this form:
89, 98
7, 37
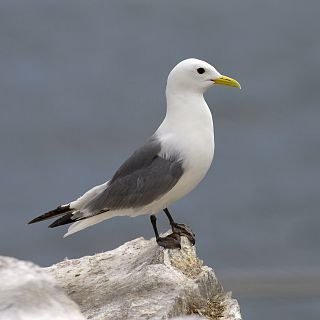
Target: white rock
139, 280
188, 318
28, 292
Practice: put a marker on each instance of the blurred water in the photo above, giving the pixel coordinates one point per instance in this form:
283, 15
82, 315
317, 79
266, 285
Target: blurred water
82, 85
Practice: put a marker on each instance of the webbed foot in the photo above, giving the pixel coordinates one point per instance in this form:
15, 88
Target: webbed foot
171, 241
184, 230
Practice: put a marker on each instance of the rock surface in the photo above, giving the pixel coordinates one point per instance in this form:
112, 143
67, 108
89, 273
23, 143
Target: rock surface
28, 292
139, 280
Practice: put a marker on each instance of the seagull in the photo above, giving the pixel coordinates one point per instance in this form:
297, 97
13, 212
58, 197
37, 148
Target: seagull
168, 166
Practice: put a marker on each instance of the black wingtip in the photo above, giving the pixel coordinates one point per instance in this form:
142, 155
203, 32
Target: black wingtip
66, 219
50, 214
37, 219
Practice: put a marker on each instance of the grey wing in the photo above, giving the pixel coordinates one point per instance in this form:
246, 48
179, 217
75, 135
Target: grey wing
143, 178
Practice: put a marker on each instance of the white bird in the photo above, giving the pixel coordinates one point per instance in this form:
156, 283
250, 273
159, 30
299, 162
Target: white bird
168, 166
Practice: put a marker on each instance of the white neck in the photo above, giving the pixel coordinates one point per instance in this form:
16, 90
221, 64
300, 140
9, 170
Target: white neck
186, 111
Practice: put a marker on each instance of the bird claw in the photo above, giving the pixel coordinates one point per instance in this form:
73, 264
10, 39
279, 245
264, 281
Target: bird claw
172, 241
184, 230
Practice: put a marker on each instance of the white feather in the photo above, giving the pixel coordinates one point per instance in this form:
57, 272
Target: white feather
187, 130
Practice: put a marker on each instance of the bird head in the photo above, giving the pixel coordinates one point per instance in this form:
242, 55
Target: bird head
197, 75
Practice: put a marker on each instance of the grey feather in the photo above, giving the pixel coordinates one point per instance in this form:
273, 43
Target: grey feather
143, 178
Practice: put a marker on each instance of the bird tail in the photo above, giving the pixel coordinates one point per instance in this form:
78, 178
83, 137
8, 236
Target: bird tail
85, 223
65, 211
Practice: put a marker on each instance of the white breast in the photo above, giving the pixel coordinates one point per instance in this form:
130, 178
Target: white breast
191, 136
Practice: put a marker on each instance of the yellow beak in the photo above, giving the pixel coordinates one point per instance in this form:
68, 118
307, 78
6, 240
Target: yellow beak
226, 81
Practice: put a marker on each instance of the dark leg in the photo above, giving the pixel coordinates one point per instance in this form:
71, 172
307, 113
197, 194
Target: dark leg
172, 241
179, 228
166, 211
153, 219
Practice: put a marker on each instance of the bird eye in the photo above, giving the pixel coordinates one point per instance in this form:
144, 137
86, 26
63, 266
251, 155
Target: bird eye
200, 70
